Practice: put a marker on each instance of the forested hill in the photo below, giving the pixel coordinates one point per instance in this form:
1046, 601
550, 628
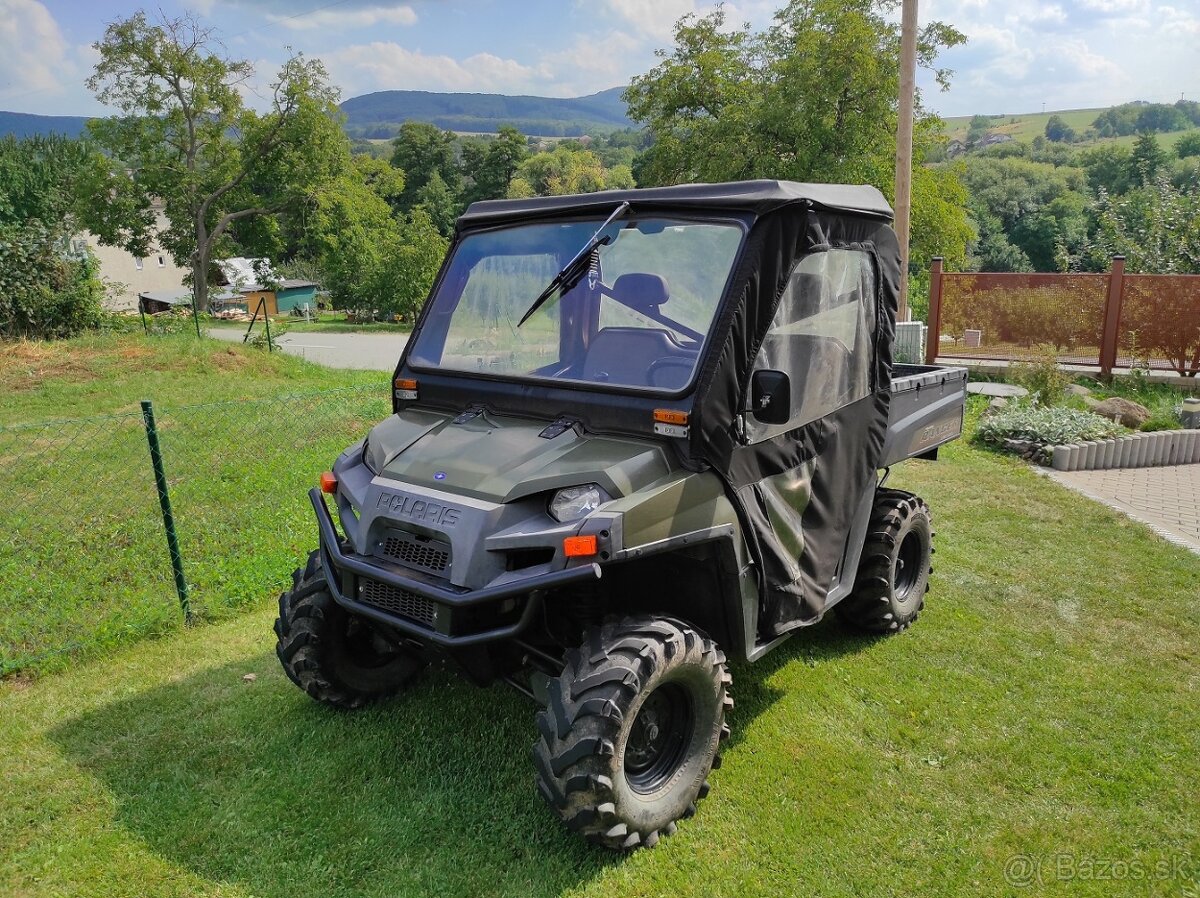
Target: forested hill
22, 124
380, 114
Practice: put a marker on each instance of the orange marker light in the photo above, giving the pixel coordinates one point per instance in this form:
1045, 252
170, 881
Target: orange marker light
670, 416
328, 482
405, 383
579, 546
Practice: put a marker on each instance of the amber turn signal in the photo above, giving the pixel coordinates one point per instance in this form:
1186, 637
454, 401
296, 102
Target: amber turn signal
405, 383
328, 482
579, 546
670, 416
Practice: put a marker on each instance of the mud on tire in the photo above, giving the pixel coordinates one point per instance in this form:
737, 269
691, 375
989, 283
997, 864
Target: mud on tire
893, 573
632, 729
337, 658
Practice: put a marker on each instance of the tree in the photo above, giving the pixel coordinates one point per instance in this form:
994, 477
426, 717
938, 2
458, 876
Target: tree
48, 288
372, 260
493, 165
813, 98
185, 141
563, 170
1107, 168
1058, 130
1188, 145
440, 203
421, 151
1147, 160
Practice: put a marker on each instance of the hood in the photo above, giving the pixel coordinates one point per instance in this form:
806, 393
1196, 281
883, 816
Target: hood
501, 458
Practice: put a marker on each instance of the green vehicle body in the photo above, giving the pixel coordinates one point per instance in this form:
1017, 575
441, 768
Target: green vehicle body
446, 538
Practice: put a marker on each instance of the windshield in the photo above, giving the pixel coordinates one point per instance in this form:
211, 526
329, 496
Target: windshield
638, 317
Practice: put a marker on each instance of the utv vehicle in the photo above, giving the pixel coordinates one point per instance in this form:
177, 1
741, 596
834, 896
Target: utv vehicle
634, 433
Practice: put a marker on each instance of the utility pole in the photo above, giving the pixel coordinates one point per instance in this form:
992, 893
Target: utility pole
904, 133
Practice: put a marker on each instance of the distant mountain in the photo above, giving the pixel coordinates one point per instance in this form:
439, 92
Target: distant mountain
380, 114
23, 124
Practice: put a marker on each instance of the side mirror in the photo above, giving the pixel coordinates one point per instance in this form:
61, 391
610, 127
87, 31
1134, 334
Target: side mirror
771, 397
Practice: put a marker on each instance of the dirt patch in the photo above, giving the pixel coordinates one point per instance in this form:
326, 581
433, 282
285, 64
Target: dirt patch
232, 360
24, 365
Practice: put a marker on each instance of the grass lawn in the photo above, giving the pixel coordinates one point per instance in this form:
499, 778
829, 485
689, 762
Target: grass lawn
327, 322
244, 433
1046, 705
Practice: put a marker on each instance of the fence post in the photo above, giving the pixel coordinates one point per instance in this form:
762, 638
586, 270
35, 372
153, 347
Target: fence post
1112, 317
933, 332
164, 502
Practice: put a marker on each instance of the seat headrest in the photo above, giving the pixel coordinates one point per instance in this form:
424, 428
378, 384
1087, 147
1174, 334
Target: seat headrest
641, 291
809, 283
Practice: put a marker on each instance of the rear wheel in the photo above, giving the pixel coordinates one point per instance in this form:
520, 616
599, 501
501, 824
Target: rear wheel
893, 573
338, 658
631, 730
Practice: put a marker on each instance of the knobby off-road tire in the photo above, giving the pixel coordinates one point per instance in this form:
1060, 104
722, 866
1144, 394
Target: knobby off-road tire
631, 730
893, 573
337, 658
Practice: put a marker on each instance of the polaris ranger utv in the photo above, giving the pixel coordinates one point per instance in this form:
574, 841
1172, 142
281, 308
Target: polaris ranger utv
633, 433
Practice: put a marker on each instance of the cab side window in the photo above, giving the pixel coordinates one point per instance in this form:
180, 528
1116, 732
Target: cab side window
821, 337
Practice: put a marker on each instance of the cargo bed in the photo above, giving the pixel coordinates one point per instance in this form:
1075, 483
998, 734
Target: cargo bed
927, 407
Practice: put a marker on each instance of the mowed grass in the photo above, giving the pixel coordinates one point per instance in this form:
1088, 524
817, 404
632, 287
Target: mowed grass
1045, 706
108, 373
244, 434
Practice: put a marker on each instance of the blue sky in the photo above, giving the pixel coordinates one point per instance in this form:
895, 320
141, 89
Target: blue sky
1021, 54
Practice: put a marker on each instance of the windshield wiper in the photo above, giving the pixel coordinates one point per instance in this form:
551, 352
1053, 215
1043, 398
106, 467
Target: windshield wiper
573, 270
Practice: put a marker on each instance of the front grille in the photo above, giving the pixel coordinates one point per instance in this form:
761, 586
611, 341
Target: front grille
398, 601
413, 550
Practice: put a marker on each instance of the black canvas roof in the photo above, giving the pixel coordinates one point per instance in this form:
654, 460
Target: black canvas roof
757, 197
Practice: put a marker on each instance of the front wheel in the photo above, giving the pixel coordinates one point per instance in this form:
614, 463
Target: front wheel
631, 730
338, 658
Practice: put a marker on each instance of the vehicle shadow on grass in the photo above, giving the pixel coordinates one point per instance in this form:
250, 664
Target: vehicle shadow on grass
428, 794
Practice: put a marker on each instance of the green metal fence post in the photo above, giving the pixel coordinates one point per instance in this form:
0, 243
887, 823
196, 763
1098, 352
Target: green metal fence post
164, 501
267, 322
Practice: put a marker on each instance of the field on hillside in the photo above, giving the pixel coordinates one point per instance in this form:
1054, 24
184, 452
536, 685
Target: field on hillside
1027, 126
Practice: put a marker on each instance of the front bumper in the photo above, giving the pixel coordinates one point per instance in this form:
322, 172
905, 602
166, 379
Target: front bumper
344, 568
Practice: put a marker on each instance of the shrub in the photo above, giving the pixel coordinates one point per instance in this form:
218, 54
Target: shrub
1041, 375
1044, 426
44, 294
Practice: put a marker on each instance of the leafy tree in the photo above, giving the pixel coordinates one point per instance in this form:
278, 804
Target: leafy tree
1156, 227
185, 140
440, 204
977, 129
1058, 130
1024, 210
421, 151
47, 289
1107, 168
1188, 145
1147, 160
563, 170
492, 166
813, 98
38, 178
371, 260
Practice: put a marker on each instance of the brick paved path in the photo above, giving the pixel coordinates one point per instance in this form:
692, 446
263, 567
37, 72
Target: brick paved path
1168, 499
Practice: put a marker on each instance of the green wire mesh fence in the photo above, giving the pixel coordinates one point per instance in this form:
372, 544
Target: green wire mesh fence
84, 557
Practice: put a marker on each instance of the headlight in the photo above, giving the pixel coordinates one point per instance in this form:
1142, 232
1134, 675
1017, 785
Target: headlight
575, 502
372, 464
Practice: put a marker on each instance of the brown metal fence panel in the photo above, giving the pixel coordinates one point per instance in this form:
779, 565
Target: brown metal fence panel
1004, 317
1159, 326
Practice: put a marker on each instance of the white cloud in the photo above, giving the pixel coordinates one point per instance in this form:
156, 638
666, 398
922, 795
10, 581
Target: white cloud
385, 65
34, 55
654, 19
337, 19
1178, 20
